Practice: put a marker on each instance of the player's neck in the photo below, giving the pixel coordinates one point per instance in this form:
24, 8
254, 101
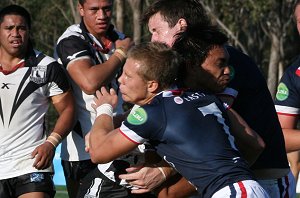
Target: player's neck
8, 61
147, 100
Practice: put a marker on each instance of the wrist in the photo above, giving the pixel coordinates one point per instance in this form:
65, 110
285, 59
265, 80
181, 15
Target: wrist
105, 109
54, 139
121, 54
165, 169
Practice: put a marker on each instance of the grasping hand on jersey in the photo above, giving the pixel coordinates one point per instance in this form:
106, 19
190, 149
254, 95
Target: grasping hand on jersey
105, 97
102, 97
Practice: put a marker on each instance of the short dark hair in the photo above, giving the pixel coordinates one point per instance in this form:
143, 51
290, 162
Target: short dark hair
158, 62
297, 3
194, 46
81, 2
172, 10
16, 10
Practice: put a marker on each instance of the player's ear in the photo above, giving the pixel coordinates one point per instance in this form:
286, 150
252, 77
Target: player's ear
152, 86
182, 24
80, 9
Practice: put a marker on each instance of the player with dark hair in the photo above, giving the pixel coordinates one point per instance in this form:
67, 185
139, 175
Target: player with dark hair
29, 80
196, 141
93, 53
246, 92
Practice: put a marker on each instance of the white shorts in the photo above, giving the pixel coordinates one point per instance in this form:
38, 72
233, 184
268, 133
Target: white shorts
282, 187
245, 188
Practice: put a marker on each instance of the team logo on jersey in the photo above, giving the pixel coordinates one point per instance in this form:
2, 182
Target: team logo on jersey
38, 74
178, 100
137, 117
232, 72
282, 92
36, 177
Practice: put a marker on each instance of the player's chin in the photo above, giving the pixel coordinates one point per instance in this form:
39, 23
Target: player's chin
126, 98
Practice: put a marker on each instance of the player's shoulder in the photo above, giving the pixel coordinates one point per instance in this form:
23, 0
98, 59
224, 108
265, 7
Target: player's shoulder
73, 32
294, 68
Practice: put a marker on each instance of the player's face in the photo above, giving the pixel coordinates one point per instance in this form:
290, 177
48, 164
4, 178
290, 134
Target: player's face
97, 16
134, 89
297, 17
216, 64
160, 30
14, 35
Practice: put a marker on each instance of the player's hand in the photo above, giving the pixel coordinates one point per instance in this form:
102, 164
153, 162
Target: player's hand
144, 178
124, 44
103, 97
43, 155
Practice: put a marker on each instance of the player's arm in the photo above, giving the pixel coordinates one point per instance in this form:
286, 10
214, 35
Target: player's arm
249, 143
150, 176
103, 136
106, 143
64, 105
176, 187
89, 78
290, 132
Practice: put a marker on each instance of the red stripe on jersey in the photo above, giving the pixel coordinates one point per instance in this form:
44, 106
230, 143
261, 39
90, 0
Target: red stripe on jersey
287, 114
243, 189
128, 137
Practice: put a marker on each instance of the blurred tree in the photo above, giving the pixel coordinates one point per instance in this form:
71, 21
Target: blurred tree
259, 28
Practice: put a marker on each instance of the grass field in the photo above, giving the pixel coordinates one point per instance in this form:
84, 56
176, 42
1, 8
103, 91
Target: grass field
61, 192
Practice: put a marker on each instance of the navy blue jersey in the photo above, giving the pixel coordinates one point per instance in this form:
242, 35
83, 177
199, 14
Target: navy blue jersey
287, 100
189, 131
252, 100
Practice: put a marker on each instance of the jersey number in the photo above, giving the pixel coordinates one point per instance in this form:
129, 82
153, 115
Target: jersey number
213, 109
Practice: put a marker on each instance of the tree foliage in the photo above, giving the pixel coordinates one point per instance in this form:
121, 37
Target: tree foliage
261, 28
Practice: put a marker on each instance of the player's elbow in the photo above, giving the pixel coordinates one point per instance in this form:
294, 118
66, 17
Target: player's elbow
89, 88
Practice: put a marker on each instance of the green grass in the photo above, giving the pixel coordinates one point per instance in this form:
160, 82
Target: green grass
61, 192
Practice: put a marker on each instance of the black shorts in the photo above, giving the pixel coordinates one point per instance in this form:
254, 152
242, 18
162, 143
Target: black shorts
77, 170
97, 185
32, 182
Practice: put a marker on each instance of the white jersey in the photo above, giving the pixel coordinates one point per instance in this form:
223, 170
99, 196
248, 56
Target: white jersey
24, 100
76, 43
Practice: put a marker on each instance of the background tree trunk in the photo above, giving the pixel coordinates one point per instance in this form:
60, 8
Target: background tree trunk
136, 6
119, 15
274, 64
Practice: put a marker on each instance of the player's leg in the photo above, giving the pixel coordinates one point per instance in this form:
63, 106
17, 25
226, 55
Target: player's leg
35, 195
74, 173
33, 185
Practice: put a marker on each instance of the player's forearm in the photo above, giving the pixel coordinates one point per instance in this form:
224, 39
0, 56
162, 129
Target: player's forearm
176, 187
292, 139
101, 74
249, 143
64, 105
102, 126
